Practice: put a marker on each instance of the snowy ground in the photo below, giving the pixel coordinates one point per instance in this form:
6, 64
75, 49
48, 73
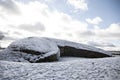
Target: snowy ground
70, 69
63, 59
67, 68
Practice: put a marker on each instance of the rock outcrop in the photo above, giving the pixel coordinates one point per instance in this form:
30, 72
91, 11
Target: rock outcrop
34, 49
68, 48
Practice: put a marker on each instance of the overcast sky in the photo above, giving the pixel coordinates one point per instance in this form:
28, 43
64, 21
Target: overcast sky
95, 22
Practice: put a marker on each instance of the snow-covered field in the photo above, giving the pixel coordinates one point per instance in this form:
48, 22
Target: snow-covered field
67, 68
72, 69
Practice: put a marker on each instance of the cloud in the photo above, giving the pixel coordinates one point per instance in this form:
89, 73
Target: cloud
78, 4
87, 33
102, 38
94, 21
33, 27
1, 35
107, 38
37, 19
106, 44
101, 44
17, 33
9, 6
111, 31
63, 25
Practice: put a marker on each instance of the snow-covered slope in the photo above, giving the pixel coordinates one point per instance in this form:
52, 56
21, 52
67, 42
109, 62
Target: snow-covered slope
85, 69
64, 43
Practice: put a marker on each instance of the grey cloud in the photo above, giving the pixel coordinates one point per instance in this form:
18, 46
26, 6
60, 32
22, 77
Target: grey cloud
86, 33
9, 38
109, 35
1, 35
112, 31
115, 35
101, 44
35, 27
9, 6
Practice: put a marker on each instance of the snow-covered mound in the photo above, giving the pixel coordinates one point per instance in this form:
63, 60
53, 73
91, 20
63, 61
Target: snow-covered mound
85, 69
69, 48
32, 49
